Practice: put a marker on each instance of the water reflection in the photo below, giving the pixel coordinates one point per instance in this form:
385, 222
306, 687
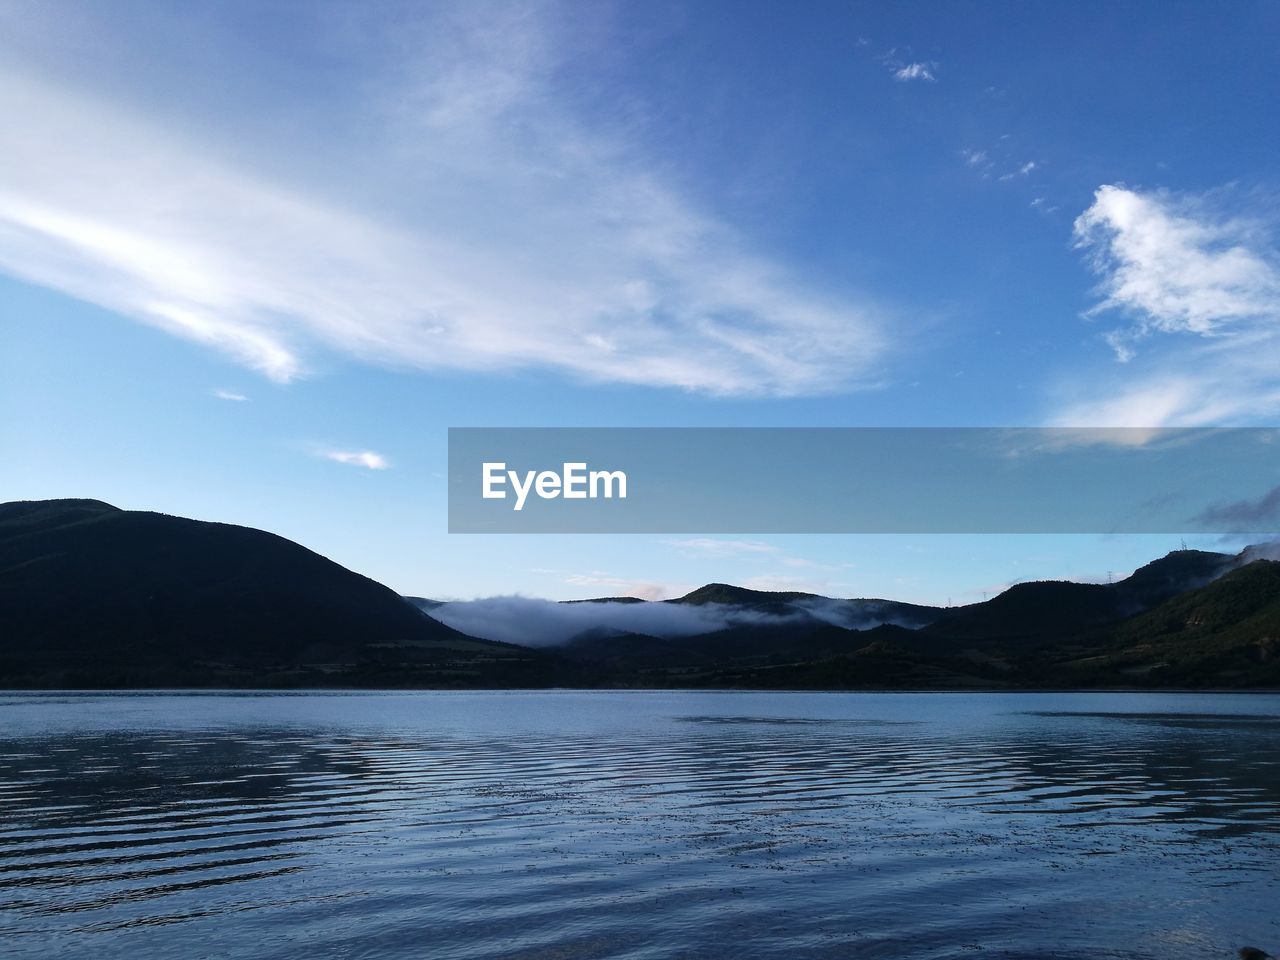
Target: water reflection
811, 828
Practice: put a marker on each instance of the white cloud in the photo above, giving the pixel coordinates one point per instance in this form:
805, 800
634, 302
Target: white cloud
714, 547
1021, 171
620, 586
540, 623
230, 395
915, 71
356, 458
998, 157
1174, 271
532, 622
447, 208
1202, 289
757, 553
803, 562
1227, 384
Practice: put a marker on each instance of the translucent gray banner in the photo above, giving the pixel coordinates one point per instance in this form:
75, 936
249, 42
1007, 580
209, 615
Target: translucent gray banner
863, 480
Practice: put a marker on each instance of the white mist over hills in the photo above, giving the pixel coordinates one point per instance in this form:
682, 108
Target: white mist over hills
541, 623
535, 622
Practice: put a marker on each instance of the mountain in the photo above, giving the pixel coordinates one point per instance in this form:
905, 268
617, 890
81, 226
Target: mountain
95, 596
1224, 634
1052, 609
1189, 619
1037, 634
1176, 573
852, 614
740, 596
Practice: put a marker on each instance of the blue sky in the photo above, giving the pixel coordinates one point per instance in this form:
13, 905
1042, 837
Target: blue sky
256, 259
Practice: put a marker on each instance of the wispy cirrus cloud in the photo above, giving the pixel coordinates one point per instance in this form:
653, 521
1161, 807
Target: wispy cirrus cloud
356, 458
450, 207
915, 71
716, 547
622, 586
1021, 170
1199, 287
771, 565
1000, 155
905, 68
231, 395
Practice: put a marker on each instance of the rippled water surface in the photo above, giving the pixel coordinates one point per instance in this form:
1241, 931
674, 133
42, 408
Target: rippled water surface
639, 825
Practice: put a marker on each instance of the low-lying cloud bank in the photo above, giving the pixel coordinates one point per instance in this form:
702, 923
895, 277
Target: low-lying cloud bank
542, 623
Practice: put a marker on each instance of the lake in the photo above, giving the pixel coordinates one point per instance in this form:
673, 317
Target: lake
566, 824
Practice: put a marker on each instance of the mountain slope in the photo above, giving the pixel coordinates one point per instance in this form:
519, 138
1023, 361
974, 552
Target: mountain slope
1226, 633
727, 593
94, 595
829, 609
1048, 610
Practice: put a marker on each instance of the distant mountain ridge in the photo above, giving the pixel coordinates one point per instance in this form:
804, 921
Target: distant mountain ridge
728, 593
1031, 612
95, 596
1223, 634
1034, 634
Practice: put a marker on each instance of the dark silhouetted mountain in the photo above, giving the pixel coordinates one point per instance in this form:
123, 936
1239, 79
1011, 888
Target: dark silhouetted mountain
1174, 573
91, 595
1049, 610
740, 596
94, 596
800, 605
